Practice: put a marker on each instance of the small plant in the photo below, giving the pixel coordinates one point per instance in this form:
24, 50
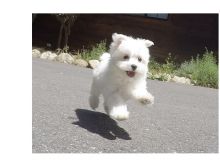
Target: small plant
162, 71
64, 50
169, 66
94, 53
202, 71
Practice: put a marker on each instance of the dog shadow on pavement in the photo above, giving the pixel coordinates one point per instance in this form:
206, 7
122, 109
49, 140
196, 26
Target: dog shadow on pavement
101, 124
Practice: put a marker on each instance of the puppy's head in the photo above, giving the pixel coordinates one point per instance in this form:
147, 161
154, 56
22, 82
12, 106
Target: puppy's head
130, 55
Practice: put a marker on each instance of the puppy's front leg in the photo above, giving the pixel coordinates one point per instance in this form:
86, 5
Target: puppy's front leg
143, 96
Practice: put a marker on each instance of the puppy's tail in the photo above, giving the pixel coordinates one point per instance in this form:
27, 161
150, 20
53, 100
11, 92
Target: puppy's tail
104, 56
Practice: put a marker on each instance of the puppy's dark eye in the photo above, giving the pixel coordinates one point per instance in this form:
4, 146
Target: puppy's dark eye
126, 57
139, 59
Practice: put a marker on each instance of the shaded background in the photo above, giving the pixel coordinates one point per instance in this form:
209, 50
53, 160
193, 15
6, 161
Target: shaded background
181, 35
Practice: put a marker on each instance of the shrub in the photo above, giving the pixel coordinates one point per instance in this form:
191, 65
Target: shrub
203, 71
94, 53
168, 67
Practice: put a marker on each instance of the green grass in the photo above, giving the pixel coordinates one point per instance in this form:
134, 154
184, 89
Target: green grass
202, 71
168, 67
159, 71
94, 52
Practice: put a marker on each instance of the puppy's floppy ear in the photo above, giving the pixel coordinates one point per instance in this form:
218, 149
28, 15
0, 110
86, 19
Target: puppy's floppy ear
148, 43
118, 38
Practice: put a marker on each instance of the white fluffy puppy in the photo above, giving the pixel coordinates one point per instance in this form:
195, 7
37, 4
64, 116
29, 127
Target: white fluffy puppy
122, 75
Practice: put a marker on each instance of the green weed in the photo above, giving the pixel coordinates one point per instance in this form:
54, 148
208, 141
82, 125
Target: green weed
202, 71
94, 52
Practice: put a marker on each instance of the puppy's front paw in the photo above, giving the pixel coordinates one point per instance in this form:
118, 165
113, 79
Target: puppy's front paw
147, 99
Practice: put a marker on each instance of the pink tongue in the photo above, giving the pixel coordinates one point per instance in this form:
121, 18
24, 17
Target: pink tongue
130, 73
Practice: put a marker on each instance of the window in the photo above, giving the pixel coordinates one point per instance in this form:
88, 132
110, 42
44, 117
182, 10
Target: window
163, 16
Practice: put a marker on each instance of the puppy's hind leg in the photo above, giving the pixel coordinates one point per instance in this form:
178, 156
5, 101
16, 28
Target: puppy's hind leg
115, 107
94, 96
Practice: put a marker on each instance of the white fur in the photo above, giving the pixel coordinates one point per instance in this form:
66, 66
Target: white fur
111, 80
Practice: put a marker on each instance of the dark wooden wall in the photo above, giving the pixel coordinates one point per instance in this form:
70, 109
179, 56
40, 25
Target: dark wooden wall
182, 35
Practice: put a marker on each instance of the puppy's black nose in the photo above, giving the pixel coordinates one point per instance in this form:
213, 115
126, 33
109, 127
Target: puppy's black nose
133, 67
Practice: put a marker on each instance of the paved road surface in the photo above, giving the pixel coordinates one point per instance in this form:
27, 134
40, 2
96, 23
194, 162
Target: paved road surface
184, 119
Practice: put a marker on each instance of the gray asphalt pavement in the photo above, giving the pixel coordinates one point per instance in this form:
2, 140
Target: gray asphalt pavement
184, 119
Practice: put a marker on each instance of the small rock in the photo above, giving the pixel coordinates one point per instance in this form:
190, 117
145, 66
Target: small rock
167, 77
52, 56
81, 62
45, 55
182, 80
65, 58
157, 76
188, 81
93, 63
35, 53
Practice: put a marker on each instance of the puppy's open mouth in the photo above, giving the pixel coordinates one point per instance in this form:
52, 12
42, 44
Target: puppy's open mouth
130, 73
